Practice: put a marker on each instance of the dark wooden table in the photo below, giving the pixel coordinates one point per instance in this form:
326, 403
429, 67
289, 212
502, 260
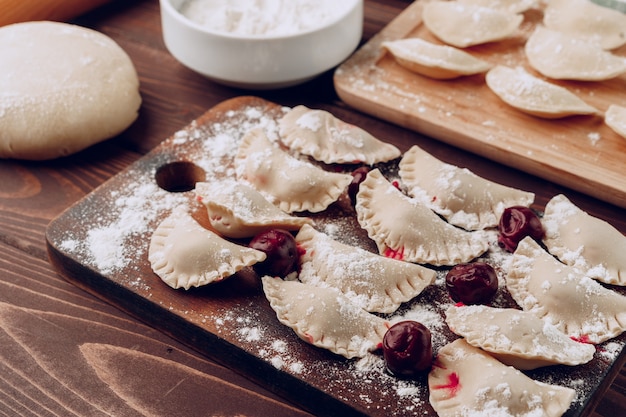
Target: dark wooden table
64, 352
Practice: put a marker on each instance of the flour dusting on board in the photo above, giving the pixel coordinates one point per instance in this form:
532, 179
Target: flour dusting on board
133, 210
116, 242
136, 207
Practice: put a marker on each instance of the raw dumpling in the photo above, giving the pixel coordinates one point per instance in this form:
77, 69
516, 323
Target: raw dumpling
324, 317
464, 25
565, 57
564, 295
465, 381
460, 196
184, 254
293, 185
516, 338
584, 241
532, 95
586, 19
511, 6
236, 210
405, 229
435, 61
322, 136
373, 282
615, 118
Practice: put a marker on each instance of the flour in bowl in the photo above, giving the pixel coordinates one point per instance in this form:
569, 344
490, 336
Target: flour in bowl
264, 17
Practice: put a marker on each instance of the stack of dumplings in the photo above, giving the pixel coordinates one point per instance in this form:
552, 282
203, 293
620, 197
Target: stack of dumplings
573, 41
277, 184
425, 215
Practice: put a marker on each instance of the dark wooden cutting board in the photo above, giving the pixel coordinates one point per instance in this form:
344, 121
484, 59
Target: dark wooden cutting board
101, 244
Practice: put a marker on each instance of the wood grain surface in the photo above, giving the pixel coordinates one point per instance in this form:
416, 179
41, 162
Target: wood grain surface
580, 152
67, 353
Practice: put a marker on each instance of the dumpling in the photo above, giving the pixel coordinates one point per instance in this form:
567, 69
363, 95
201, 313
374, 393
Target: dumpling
534, 96
565, 57
236, 210
511, 6
324, 317
465, 381
516, 338
460, 196
564, 295
405, 229
584, 241
373, 282
435, 61
586, 19
464, 25
184, 254
292, 184
324, 137
615, 118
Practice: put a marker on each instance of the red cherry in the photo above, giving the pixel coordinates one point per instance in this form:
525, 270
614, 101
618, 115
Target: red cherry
407, 348
358, 176
474, 283
281, 250
515, 224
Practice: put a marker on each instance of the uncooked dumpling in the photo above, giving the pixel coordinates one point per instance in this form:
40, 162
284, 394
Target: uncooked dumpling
290, 183
237, 210
466, 381
184, 254
584, 241
373, 282
464, 25
325, 138
532, 95
324, 317
511, 6
435, 61
460, 196
405, 229
615, 118
563, 56
587, 19
515, 337
564, 295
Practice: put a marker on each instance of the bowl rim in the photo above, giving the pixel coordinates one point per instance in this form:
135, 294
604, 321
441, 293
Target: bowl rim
175, 13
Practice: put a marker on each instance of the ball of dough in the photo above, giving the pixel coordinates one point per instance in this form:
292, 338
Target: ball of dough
62, 88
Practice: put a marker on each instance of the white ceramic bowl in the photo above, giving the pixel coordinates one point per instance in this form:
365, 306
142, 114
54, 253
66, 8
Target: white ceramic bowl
260, 61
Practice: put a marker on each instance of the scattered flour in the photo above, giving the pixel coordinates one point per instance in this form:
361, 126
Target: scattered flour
135, 209
106, 244
250, 334
594, 138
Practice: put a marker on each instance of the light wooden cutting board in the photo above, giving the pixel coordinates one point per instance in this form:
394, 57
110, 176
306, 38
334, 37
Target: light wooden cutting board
578, 152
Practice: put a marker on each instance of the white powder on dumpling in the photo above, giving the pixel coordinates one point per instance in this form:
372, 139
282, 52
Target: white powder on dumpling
310, 120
